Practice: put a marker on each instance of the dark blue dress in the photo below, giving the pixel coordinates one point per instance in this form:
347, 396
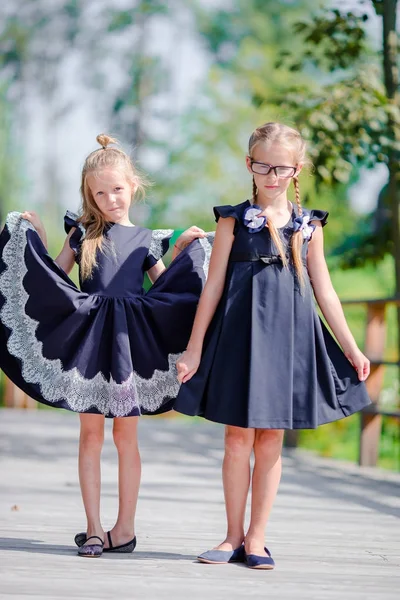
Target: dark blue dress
268, 360
108, 348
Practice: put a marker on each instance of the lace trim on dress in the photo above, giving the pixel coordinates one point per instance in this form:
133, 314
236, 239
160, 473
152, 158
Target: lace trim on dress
159, 242
207, 244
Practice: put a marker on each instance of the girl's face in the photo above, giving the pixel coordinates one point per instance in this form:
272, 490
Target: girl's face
112, 193
276, 182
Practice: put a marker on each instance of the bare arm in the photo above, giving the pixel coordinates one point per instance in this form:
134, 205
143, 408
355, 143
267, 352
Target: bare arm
155, 271
66, 258
190, 360
329, 303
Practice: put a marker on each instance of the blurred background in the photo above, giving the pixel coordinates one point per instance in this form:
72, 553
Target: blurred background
182, 84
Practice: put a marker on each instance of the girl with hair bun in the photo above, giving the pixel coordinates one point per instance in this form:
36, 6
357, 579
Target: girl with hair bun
259, 359
107, 349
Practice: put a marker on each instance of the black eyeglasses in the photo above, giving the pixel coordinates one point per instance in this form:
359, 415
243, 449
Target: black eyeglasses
279, 170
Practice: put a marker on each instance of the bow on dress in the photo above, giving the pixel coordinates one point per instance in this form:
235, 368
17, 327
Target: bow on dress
303, 224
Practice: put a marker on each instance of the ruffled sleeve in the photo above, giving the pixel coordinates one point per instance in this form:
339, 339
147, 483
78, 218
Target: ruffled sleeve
159, 246
70, 221
319, 215
225, 211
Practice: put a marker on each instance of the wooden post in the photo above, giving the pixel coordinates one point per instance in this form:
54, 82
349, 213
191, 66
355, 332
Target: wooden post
374, 348
291, 438
16, 398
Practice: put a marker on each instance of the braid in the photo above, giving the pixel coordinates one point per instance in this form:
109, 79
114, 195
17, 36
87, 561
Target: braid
297, 239
255, 191
297, 195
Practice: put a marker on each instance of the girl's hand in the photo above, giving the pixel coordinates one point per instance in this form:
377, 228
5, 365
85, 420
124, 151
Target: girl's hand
188, 236
34, 219
187, 365
359, 362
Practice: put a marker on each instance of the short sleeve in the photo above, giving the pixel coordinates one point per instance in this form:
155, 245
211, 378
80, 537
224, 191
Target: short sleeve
70, 221
319, 215
224, 212
159, 245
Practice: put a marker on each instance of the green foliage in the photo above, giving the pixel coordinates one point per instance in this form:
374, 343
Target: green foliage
121, 19
335, 39
340, 440
346, 124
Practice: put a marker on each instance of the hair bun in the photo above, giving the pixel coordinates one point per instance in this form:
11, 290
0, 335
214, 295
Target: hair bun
105, 140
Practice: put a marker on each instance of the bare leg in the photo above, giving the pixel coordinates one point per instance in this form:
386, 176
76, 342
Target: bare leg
129, 471
265, 483
236, 478
90, 445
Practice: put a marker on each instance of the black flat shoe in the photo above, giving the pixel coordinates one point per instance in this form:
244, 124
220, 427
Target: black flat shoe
123, 548
80, 539
91, 550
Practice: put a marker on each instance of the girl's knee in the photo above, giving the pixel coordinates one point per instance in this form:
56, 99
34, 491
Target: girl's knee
92, 430
92, 438
124, 436
268, 440
238, 439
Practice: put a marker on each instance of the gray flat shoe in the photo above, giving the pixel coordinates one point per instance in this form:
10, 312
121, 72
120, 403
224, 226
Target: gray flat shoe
91, 550
220, 557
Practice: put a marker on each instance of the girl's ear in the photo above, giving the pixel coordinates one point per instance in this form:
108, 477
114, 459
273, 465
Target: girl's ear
248, 164
298, 169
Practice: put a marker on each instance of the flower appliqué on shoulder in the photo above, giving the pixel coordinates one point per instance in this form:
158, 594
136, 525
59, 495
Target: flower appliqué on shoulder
252, 220
303, 224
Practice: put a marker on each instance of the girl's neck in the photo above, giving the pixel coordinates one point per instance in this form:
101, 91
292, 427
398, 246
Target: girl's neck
278, 204
124, 222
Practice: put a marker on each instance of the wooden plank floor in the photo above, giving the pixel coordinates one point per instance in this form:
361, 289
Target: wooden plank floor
334, 531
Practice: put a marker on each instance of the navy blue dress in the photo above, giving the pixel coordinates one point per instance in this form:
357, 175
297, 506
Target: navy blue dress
107, 348
268, 360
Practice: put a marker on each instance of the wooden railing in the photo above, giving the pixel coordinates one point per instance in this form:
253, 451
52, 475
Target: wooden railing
374, 348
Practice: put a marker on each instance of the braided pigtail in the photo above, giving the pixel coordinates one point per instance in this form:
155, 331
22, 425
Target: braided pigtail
297, 239
255, 192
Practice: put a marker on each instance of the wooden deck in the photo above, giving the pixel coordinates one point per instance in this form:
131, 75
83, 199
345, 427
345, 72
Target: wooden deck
334, 532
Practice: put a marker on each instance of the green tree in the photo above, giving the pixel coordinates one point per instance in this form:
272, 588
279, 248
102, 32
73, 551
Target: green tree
244, 89
352, 119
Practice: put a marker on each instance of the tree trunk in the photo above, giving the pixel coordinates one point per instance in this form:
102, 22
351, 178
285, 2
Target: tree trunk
391, 78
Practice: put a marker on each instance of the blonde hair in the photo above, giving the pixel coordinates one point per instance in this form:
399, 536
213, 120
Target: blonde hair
289, 137
92, 218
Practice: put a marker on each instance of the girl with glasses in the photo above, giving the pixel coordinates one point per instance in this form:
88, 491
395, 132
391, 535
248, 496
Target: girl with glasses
259, 359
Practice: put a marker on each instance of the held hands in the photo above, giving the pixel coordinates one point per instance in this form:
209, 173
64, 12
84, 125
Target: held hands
359, 362
187, 365
188, 236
